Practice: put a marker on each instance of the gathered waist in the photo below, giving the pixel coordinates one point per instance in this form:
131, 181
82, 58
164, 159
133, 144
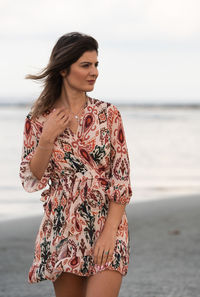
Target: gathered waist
76, 185
73, 185
70, 181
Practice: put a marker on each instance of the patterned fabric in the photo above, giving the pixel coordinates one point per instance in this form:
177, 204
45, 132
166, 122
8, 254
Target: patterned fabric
86, 171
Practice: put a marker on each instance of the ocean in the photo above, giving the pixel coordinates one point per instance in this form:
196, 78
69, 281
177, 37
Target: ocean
163, 145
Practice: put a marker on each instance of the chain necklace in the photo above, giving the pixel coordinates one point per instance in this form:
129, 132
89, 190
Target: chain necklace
76, 115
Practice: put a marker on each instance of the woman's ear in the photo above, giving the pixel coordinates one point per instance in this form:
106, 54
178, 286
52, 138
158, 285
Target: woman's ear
63, 73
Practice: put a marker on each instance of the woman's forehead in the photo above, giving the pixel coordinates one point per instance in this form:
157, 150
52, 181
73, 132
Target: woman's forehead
88, 56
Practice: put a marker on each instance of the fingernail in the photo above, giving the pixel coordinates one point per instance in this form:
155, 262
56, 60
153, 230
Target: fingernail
54, 109
102, 266
98, 267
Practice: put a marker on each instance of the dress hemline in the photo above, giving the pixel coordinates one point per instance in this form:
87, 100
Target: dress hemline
81, 274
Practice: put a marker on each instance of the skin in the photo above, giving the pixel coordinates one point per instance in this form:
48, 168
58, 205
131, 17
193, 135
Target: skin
105, 283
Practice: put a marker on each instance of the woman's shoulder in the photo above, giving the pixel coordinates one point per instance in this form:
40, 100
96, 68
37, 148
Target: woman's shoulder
105, 104
38, 118
34, 124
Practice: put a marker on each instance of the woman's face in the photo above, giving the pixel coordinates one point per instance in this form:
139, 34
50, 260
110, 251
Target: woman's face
83, 73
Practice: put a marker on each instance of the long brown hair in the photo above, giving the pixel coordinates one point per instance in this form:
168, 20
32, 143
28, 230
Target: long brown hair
67, 50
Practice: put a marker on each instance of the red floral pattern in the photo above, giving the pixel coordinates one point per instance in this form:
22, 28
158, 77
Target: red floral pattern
86, 171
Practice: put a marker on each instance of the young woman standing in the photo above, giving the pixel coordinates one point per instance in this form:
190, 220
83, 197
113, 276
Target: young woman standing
76, 145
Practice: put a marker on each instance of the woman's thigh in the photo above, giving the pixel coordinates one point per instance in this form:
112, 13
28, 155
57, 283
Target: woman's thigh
105, 283
70, 285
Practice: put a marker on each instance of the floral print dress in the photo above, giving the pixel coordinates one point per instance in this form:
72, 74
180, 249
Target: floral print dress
86, 171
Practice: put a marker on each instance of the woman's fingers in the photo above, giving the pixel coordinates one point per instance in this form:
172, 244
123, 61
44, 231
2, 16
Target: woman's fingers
62, 113
61, 116
110, 255
104, 257
56, 123
66, 120
59, 109
96, 252
107, 256
101, 257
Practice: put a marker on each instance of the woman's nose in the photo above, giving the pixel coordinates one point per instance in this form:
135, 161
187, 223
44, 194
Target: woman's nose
94, 71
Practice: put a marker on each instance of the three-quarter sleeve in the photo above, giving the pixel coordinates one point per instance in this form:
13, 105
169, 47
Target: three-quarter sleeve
31, 137
120, 186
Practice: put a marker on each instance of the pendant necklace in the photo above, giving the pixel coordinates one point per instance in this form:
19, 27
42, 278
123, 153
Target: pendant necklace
76, 115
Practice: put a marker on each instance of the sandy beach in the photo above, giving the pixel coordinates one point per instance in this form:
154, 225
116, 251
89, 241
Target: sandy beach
165, 251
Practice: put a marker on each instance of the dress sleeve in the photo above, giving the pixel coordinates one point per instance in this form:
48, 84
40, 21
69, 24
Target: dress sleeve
31, 136
120, 187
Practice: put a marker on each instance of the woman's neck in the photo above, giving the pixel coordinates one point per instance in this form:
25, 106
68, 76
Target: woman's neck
71, 99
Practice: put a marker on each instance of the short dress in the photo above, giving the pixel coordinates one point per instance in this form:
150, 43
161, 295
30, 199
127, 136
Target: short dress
86, 171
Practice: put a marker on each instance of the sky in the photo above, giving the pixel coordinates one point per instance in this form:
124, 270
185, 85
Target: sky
149, 50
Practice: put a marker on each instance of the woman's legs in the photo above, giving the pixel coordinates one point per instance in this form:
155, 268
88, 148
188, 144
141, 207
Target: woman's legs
70, 285
105, 283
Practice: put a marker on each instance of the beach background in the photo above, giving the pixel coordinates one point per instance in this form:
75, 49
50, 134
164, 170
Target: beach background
164, 151
163, 214
149, 67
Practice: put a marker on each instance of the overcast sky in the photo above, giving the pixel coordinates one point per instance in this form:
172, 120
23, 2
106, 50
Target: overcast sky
148, 49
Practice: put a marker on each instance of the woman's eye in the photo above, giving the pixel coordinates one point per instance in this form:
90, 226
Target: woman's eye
87, 65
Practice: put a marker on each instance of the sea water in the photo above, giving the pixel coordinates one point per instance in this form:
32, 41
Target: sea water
163, 145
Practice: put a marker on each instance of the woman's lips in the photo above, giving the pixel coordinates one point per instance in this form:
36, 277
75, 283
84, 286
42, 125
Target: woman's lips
91, 81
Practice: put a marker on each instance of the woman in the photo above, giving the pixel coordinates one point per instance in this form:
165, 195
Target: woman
76, 145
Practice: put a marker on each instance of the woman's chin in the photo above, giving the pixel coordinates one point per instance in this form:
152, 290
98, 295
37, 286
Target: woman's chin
90, 89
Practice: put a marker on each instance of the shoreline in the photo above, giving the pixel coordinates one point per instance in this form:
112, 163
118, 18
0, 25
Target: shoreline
190, 103
164, 247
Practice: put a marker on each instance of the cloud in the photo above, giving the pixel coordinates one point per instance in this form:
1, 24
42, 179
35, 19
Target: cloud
175, 19
172, 20
147, 47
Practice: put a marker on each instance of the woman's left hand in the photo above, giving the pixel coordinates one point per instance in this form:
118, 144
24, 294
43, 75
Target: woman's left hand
104, 247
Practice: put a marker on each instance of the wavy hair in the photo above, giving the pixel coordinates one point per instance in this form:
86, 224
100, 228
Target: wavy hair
67, 50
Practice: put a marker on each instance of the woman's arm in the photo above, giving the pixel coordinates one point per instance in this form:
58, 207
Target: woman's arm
41, 157
54, 125
36, 166
119, 192
107, 239
115, 213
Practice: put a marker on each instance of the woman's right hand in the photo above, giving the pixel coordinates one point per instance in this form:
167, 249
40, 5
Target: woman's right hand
55, 124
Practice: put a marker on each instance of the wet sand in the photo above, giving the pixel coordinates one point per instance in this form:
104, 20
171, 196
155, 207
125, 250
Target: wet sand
165, 252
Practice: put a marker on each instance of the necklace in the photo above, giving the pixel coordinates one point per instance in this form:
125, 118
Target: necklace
76, 115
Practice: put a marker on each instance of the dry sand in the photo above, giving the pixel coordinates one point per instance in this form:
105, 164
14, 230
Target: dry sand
165, 252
